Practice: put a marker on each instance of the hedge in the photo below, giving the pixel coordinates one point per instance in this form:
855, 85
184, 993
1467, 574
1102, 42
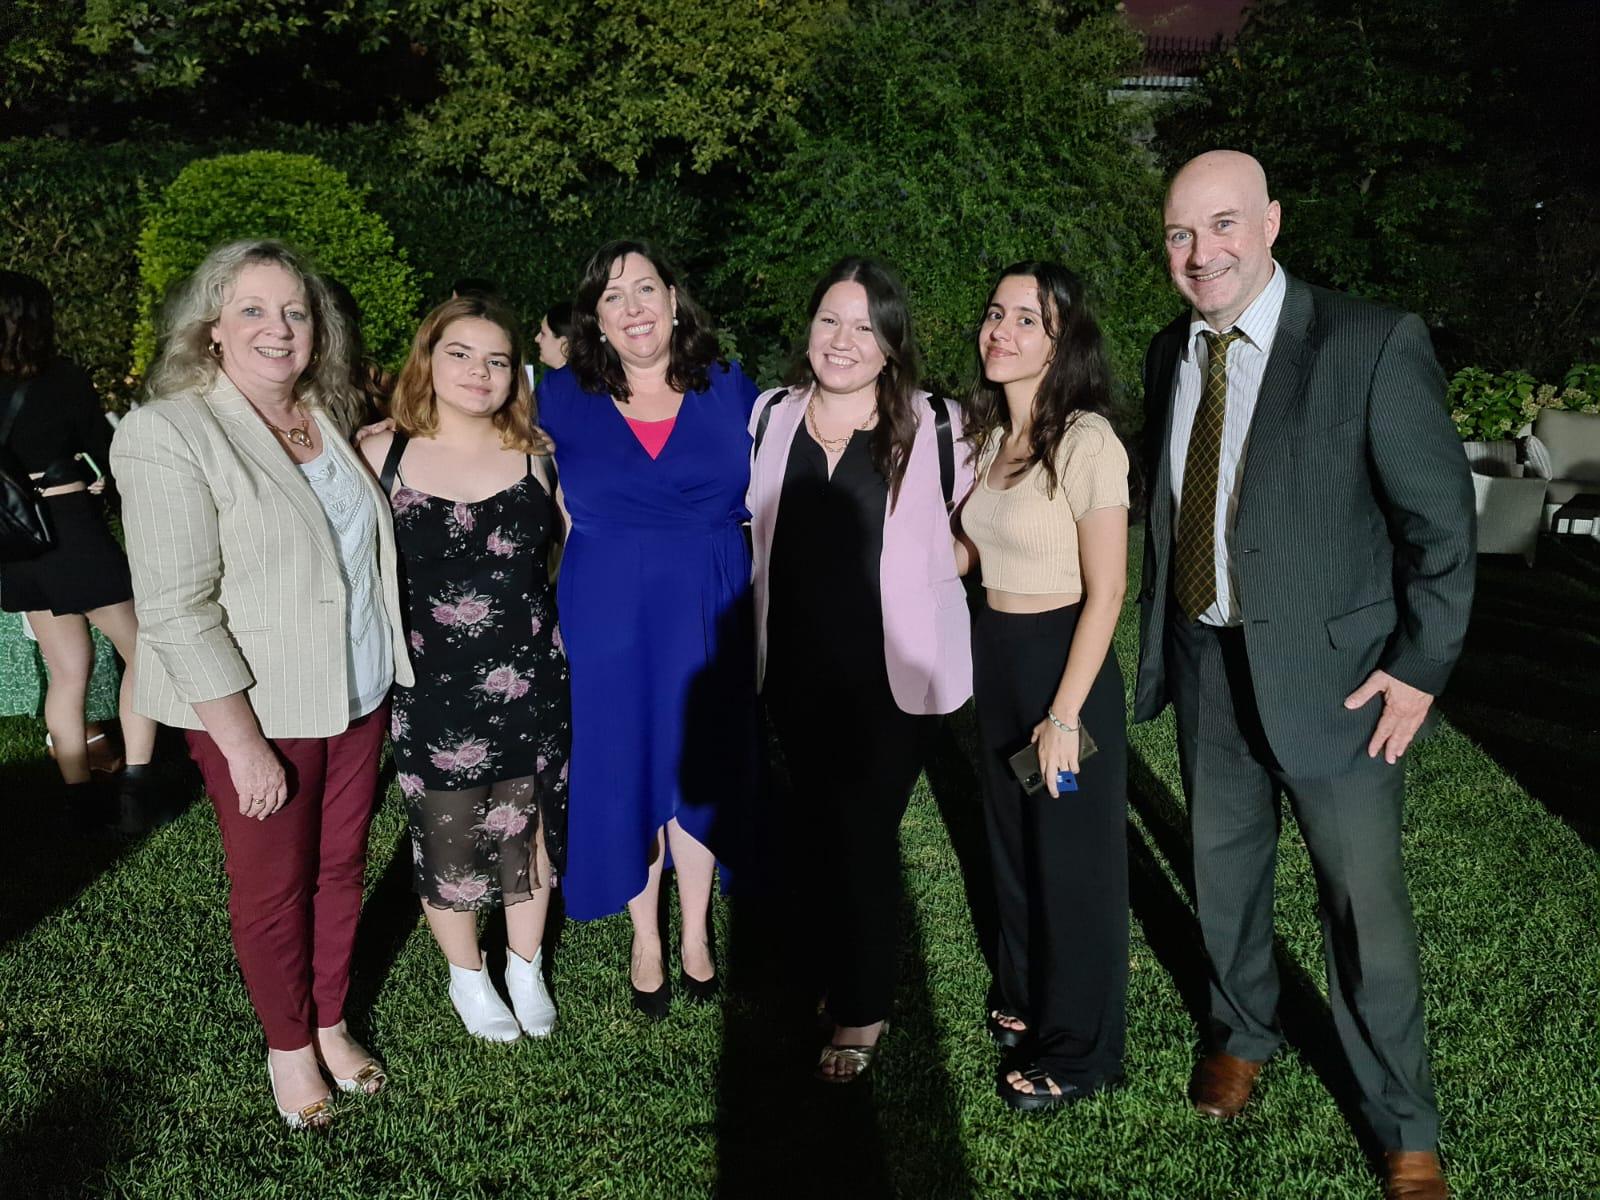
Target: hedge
72, 214
295, 197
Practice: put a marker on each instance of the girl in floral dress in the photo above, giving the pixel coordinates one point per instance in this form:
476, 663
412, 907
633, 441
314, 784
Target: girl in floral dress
481, 741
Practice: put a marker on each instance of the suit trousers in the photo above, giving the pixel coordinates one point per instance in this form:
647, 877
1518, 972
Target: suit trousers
1351, 825
853, 760
297, 876
1060, 864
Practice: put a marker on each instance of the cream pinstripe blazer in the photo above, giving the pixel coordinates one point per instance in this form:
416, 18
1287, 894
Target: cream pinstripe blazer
236, 579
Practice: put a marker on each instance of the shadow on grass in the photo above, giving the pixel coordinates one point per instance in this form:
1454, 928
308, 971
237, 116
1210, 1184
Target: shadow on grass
1172, 932
782, 1133
71, 1135
1526, 686
49, 862
388, 915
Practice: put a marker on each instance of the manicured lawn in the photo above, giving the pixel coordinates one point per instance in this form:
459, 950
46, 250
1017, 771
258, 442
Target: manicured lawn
130, 1063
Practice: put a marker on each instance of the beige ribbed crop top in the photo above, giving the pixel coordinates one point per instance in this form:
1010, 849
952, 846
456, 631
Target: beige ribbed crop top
1028, 542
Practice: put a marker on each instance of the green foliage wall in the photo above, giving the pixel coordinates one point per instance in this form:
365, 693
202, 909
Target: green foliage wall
294, 197
1438, 155
548, 96
70, 215
950, 139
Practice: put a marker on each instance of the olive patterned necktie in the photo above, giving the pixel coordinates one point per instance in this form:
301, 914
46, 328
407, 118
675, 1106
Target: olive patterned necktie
1194, 581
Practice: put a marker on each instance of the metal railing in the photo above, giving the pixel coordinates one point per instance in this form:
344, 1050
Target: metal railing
1174, 62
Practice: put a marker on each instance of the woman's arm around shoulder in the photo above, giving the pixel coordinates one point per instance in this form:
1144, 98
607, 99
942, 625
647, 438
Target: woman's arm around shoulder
374, 448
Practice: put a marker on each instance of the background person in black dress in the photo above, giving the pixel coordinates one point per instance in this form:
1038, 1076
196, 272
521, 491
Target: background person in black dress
56, 421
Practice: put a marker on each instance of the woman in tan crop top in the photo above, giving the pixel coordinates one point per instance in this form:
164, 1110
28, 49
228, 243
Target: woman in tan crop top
1047, 525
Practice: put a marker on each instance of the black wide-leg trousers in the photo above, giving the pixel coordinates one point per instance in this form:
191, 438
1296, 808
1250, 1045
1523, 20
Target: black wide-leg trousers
1351, 825
1060, 863
853, 759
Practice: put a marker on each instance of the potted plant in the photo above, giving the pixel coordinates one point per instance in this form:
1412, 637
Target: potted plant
1490, 411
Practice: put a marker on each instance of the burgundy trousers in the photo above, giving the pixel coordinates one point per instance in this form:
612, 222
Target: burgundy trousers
297, 876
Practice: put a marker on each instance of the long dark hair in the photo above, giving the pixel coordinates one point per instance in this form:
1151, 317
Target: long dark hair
890, 316
1077, 379
559, 318
27, 325
694, 341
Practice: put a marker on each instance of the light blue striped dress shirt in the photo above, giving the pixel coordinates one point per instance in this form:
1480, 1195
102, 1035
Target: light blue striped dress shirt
1247, 362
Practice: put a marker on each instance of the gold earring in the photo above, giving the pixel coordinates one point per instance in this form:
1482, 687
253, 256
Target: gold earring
216, 351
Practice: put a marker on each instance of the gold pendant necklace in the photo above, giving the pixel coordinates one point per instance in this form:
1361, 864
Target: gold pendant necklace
296, 436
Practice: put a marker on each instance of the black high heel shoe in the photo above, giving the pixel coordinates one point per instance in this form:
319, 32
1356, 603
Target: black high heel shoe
652, 1004
699, 991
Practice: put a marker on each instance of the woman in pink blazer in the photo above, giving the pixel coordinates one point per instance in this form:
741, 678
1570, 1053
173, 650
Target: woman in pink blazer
862, 622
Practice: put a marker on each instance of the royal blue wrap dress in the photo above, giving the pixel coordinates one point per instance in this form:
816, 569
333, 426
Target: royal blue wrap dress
655, 608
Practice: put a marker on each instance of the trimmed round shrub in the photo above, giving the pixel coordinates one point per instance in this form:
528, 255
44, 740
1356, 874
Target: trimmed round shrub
296, 198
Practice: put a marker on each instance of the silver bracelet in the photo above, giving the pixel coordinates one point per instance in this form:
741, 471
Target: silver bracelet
1059, 724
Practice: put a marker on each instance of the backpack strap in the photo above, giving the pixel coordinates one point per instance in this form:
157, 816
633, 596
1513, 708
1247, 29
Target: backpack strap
391, 462
10, 407
947, 449
766, 415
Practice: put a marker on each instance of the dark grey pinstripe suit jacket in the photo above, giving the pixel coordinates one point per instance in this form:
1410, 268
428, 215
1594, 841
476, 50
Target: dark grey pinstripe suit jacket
1353, 539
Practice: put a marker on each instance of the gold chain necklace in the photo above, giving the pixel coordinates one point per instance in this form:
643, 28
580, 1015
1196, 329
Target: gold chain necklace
835, 445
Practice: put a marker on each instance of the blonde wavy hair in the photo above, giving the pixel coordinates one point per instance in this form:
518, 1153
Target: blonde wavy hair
184, 361
415, 407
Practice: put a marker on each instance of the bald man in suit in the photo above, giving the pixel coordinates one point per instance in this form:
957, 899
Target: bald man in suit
1308, 574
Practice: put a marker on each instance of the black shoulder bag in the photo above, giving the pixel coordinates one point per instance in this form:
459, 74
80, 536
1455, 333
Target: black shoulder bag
25, 527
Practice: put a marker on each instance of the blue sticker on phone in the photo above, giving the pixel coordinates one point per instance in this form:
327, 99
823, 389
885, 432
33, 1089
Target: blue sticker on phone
1066, 781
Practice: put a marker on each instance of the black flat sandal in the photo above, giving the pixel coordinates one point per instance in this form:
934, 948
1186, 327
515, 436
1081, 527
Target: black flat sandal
1004, 1036
1042, 1099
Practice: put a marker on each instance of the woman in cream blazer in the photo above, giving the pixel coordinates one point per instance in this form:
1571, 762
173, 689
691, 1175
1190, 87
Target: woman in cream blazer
862, 628
264, 578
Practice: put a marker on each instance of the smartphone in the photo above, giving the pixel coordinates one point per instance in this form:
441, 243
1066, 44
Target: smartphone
1025, 766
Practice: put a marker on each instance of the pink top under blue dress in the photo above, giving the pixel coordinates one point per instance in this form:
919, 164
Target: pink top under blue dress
654, 597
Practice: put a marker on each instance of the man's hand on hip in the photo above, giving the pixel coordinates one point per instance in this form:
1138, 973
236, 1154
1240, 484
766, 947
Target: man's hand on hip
1404, 708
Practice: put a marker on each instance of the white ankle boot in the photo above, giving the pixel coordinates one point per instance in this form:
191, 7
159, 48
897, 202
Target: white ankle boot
536, 1012
481, 1010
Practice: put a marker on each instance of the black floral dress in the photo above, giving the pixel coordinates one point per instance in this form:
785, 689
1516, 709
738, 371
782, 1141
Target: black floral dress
481, 742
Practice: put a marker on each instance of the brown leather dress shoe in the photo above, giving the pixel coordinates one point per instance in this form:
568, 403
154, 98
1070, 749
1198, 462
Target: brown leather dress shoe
1414, 1175
1221, 1083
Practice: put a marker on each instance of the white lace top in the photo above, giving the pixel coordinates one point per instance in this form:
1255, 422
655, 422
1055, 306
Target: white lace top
353, 521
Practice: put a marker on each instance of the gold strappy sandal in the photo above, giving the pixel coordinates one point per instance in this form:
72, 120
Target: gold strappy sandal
846, 1064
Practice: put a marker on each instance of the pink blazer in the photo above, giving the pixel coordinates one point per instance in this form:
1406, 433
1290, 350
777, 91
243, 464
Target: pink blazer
927, 635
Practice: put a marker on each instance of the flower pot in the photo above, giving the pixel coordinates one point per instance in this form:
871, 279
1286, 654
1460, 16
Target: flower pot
1494, 458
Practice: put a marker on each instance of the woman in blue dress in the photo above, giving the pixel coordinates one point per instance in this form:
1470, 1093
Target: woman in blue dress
654, 595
